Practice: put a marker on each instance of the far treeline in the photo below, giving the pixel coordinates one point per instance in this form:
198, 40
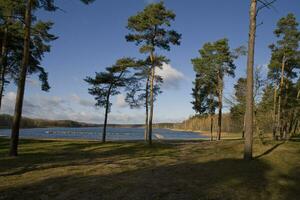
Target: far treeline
258, 104
6, 122
26, 122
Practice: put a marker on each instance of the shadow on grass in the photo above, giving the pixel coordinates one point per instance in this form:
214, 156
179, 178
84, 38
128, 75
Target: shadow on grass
220, 179
62, 153
291, 190
269, 150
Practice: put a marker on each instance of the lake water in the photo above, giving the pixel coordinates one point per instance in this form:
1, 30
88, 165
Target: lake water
96, 133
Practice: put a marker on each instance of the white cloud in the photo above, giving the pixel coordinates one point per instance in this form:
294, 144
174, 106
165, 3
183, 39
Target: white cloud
74, 107
171, 76
120, 101
82, 102
37, 106
54, 107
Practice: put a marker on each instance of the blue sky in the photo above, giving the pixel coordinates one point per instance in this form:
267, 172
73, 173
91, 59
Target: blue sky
92, 38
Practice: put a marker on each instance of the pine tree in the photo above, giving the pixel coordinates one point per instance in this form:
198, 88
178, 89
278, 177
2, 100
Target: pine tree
205, 91
39, 45
149, 30
108, 83
284, 62
216, 60
138, 88
29, 7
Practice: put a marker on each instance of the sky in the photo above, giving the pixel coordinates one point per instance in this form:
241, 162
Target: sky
92, 38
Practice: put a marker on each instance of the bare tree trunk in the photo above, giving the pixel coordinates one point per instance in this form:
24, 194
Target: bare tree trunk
146, 134
151, 97
244, 124
105, 117
21, 83
280, 96
220, 99
274, 113
211, 127
295, 127
256, 129
107, 107
291, 122
286, 113
296, 121
2, 85
211, 117
249, 95
3, 63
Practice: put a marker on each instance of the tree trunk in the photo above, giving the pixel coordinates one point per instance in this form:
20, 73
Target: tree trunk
2, 85
249, 94
292, 118
146, 134
3, 63
220, 99
296, 121
107, 107
105, 117
280, 96
211, 116
211, 127
21, 83
295, 127
244, 124
151, 97
292, 121
286, 113
274, 113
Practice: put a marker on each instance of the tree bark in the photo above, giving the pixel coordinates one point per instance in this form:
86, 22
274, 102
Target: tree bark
105, 117
291, 121
107, 106
295, 127
274, 113
280, 96
151, 97
249, 94
3, 63
287, 114
244, 124
211, 116
294, 120
21, 83
146, 133
211, 127
220, 99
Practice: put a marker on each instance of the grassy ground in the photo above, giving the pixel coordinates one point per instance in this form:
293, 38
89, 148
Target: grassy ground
225, 135
167, 170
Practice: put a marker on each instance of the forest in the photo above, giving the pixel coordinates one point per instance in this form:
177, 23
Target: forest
6, 122
262, 123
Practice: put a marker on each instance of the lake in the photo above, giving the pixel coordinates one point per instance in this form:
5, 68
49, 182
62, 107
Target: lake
96, 133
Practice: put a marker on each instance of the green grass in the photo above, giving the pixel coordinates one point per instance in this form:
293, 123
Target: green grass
132, 170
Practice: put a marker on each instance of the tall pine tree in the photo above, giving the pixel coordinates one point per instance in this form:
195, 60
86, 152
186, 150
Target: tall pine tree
285, 62
150, 31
